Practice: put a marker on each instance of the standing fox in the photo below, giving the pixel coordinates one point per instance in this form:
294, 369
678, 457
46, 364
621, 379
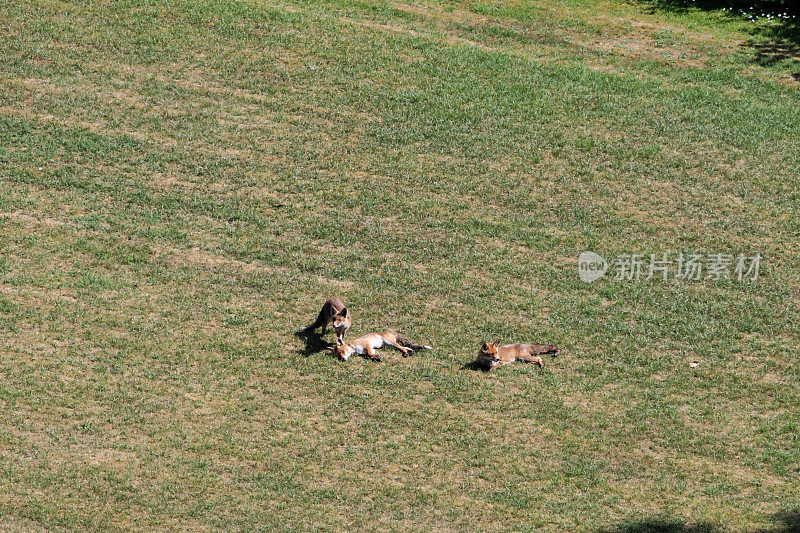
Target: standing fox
492, 356
333, 311
367, 344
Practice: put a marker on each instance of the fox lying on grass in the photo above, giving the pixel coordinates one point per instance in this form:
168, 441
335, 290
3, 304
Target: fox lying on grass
492, 356
367, 344
333, 311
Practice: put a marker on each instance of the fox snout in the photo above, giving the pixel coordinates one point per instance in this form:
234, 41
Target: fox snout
343, 352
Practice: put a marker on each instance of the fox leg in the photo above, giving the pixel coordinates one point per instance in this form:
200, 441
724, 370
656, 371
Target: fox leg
531, 359
401, 348
375, 356
341, 331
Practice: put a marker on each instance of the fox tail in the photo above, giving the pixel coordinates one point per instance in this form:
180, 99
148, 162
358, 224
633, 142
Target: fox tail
317, 323
408, 343
541, 349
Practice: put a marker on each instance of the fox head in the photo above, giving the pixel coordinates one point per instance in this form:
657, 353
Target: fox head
343, 351
341, 319
489, 349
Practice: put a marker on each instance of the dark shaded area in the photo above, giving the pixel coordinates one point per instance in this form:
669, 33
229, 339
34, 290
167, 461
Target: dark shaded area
759, 7
657, 525
315, 343
473, 365
773, 43
785, 522
768, 54
789, 521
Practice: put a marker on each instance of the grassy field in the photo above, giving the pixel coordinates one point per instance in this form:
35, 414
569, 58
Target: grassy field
183, 182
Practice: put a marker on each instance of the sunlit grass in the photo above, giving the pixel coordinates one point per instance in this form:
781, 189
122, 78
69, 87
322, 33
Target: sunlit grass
182, 184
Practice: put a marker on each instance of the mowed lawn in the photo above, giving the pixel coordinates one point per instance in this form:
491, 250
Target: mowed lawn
183, 183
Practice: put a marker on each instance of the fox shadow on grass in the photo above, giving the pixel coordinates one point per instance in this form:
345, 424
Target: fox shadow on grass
473, 365
314, 343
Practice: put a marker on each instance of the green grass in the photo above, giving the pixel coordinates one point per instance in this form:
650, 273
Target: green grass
183, 183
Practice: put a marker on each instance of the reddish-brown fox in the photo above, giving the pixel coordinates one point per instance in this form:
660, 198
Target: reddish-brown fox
492, 356
333, 312
367, 344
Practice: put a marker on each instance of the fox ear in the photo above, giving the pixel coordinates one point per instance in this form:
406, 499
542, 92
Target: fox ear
338, 343
344, 311
497, 342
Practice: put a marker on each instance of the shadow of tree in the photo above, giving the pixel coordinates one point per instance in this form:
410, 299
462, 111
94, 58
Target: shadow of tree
785, 522
771, 53
774, 43
789, 522
734, 8
658, 525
